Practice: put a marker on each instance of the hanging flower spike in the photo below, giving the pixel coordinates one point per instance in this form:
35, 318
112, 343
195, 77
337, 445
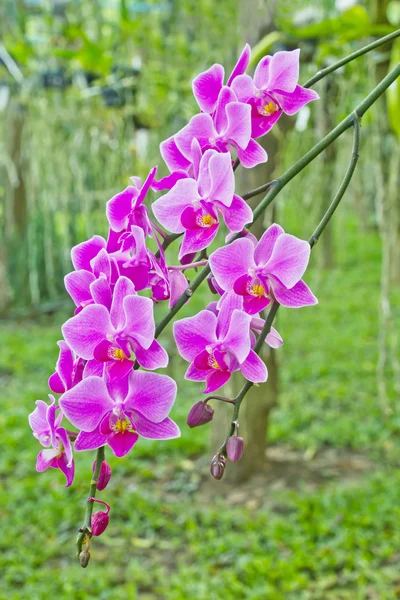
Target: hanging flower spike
193, 206
46, 428
271, 269
216, 346
119, 413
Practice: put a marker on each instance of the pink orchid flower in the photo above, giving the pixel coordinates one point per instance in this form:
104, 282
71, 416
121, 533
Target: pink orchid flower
271, 269
46, 428
217, 345
119, 413
193, 206
273, 90
117, 337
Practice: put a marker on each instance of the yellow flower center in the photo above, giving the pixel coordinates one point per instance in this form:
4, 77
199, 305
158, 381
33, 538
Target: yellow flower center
206, 221
258, 290
122, 426
268, 109
118, 354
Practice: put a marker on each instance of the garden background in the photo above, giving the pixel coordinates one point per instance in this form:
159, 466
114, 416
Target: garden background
87, 92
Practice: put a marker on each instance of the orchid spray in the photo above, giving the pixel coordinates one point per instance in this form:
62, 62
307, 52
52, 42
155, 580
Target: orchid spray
109, 396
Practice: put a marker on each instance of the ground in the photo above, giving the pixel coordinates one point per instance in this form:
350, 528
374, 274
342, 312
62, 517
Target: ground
321, 522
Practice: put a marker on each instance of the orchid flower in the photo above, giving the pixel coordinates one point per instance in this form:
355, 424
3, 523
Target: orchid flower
119, 336
271, 269
217, 345
273, 90
119, 413
193, 206
46, 428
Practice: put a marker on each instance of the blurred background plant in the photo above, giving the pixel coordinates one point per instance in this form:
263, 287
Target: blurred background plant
87, 92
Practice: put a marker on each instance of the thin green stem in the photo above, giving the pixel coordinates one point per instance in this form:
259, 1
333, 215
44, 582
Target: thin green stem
86, 529
340, 63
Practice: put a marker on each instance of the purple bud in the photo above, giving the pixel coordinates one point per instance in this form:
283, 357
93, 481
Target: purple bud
100, 521
187, 258
211, 282
104, 475
199, 414
84, 558
235, 448
217, 467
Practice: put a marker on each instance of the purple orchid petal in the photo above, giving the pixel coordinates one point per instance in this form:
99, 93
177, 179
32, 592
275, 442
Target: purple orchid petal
216, 380
83, 253
241, 65
173, 157
44, 459
289, 259
274, 339
77, 285
296, 297
265, 246
222, 178
284, 71
193, 334
38, 422
261, 74
198, 239
195, 374
139, 320
118, 369
253, 155
238, 215
145, 187
87, 403
244, 88
231, 261
253, 368
93, 367
178, 286
65, 364
202, 361
151, 394
122, 443
101, 264
260, 125
68, 470
119, 208
84, 331
101, 292
206, 87
123, 288
168, 182
200, 127
226, 96
65, 441
238, 130
90, 440
168, 209
237, 339
164, 430
252, 305
56, 384
227, 305
102, 351
292, 102
155, 357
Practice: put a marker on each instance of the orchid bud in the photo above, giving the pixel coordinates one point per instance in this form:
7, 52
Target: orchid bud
100, 521
199, 414
211, 282
84, 558
235, 448
104, 475
217, 467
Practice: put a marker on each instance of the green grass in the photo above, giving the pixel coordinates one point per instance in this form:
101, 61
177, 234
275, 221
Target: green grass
169, 536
